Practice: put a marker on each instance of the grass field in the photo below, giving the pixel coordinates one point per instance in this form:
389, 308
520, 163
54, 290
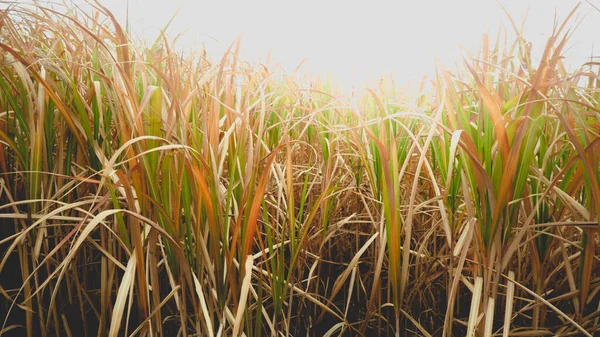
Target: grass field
148, 193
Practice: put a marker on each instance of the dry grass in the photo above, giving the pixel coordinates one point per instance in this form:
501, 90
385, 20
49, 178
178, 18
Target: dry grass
144, 193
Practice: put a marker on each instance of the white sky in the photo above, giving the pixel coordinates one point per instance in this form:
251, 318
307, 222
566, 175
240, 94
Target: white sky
356, 42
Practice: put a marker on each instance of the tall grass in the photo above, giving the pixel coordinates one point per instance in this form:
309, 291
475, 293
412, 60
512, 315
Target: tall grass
148, 193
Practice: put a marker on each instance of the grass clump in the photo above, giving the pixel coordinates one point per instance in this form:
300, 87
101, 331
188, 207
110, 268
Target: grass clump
146, 193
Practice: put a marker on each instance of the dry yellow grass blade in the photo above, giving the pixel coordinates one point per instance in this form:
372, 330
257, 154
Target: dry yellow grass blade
203, 306
489, 318
334, 329
124, 289
510, 296
475, 303
245, 290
